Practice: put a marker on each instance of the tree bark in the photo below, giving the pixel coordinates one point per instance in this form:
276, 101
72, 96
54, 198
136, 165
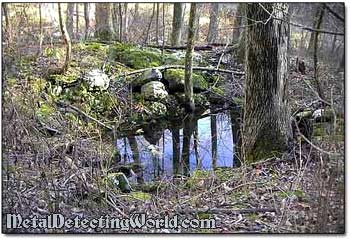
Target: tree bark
69, 19
177, 24
213, 24
189, 56
103, 25
267, 128
66, 39
41, 36
318, 14
86, 19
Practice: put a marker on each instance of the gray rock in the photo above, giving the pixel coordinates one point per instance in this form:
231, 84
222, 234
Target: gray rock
154, 90
147, 76
97, 79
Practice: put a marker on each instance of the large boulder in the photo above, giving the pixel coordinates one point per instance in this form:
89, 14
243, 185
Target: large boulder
96, 79
147, 76
175, 79
154, 91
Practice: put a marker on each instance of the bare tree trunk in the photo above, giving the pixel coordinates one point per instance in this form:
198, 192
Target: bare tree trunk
213, 24
77, 21
176, 150
199, 8
333, 44
157, 24
86, 18
103, 26
125, 27
69, 19
188, 59
41, 36
214, 141
163, 23
150, 24
315, 44
242, 34
195, 144
120, 22
66, 39
115, 19
177, 24
267, 128
316, 20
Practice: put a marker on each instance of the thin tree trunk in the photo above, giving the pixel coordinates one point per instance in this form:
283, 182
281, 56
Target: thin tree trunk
77, 21
66, 39
120, 22
235, 117
163, 23
8, 26
125, 27
333, 44
86, 18
187, 132
176, 151
41, 36
317, 80
177, 24
69, 19
157, 24
115, 20
199, 8
316, 20
188, 58
267, 128
150, 24
195, 144
214, 140
213, 24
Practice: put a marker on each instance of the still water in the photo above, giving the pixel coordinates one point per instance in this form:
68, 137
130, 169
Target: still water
158, 159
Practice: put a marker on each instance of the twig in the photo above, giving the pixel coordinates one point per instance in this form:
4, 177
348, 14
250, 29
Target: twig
85, 114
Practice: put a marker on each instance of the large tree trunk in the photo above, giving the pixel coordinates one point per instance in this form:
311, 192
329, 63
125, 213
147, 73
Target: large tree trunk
267, 128
86, 19
177, 24
188, 59
66, 39
69, 19
103, 24
213, 24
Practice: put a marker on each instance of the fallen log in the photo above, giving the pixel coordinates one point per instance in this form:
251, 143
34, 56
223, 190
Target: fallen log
227, 210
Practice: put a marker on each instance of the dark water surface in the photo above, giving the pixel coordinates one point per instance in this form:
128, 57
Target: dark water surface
163, 158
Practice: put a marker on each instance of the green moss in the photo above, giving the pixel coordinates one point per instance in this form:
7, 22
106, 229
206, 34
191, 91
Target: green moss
178, 76
197, 177
203, 215
134, 57
70, 76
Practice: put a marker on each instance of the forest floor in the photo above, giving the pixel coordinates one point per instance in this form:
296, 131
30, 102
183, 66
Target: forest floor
299, 192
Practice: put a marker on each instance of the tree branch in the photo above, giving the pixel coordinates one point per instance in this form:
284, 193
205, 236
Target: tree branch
334, 13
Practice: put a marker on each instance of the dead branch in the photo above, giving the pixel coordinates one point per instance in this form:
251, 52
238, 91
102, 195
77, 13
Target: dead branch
198, 68
336, 15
